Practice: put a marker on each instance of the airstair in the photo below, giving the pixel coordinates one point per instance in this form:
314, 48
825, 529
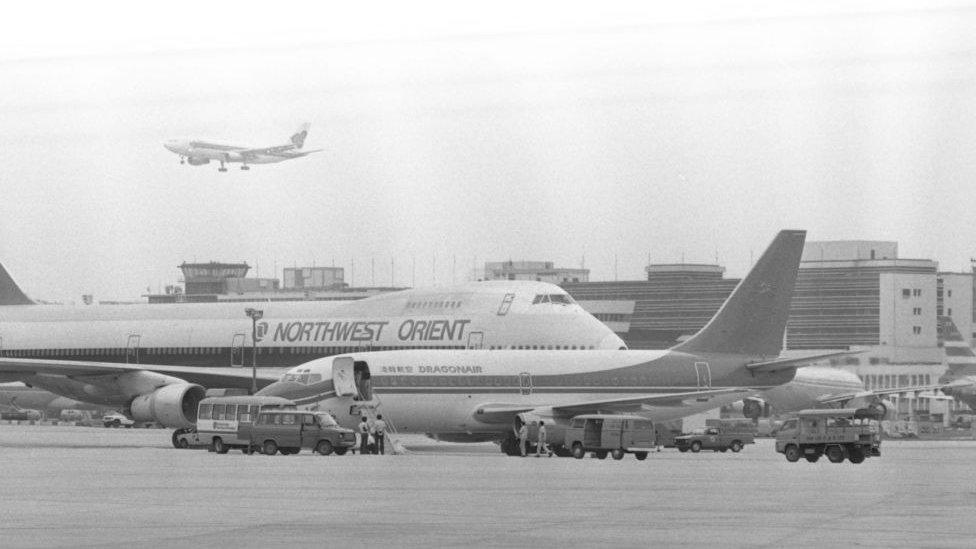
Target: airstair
370, 410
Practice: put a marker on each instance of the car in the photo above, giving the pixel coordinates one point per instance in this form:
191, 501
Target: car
116, 419
21, 414
715, 438
288, 431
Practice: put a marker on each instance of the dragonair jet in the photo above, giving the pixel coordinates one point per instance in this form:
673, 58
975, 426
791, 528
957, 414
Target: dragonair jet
198, 153
477, 396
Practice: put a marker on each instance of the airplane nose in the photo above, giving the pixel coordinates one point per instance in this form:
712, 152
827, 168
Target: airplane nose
173, 145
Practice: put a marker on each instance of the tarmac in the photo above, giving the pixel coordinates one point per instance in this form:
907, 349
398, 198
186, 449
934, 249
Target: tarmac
96, 487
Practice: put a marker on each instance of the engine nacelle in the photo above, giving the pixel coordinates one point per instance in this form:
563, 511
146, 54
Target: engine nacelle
174, 405
752, 408
198, 161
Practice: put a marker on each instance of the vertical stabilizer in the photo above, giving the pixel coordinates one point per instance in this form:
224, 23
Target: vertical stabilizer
959, 356
10, 293
753, 319
298, 138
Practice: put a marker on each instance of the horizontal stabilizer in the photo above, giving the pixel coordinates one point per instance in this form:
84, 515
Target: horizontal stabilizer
771, 366
10, 293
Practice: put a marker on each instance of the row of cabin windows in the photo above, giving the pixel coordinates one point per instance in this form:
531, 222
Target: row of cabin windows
513, 382
324, 351
433, 304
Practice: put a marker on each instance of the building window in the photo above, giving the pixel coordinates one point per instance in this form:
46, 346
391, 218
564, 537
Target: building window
917, 311
949, 313
906, 292
916, 292
917, 330
949, 293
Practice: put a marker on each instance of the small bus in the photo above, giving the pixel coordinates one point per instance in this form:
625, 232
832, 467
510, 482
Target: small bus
218, 419
615, 434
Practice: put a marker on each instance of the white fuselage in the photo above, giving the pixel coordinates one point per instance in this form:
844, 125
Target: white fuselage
809, 386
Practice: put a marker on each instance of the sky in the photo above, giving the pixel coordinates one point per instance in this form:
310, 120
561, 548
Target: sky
458, 133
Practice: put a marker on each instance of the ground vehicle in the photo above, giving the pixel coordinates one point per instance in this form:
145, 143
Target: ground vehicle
116, 419
609, 433
21, 414
288, 431
845, 433
718, 438
219, 418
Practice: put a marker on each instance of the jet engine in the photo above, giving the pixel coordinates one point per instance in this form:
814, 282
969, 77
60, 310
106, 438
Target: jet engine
753, 408
174, 405
198, 161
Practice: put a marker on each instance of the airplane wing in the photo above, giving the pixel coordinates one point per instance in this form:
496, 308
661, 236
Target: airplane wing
15, 369
216, 146
284, 151
793, 363
840, 398
634, 403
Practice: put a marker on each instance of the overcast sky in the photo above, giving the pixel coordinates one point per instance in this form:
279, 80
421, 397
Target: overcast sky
453, 135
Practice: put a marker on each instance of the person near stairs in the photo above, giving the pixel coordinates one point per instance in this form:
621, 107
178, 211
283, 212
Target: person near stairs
379, 432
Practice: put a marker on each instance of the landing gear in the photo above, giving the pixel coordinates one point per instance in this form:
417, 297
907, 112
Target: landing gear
222, 168
182, 160
245, 167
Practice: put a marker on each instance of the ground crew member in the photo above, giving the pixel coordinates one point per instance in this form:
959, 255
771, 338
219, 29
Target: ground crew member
379, 430
541, 442
523, 438
363, 436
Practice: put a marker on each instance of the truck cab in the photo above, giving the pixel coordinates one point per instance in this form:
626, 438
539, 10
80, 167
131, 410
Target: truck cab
844, 433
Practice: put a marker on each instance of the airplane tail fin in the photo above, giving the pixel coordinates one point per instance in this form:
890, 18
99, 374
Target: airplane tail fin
753, 319
10, 293
298, 138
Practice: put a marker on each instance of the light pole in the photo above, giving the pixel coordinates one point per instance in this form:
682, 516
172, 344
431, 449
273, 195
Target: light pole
256, 315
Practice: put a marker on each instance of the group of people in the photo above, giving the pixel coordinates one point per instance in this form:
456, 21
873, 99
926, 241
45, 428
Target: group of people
540, 444
372, 436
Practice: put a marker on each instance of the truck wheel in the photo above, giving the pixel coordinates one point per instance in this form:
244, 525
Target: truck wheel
856, 455
835, 454
682, 450
696, 446
578, 451
812, 458
324, 447
601, 454
270, 448
617, 454
176, 435
792, 453
641, 456
219, 446
341, 451
736, 446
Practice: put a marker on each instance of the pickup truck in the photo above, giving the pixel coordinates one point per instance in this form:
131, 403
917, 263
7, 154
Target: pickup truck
714, 438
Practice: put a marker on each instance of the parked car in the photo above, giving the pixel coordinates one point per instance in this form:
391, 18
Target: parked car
714, 438
288, 431
116, 419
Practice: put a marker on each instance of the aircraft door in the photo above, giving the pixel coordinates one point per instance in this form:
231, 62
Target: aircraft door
132, 349
506, 304
476, 340
525, 383
237, 351
704, 375
343, 377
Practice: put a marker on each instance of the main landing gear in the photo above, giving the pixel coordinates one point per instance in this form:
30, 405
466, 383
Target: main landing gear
222, 168
182, 160
245, 167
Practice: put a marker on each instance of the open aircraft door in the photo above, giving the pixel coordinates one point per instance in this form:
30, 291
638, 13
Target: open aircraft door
237, 351
132, 349
343, 377
704, 375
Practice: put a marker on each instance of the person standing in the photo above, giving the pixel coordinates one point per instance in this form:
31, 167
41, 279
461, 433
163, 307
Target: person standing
363, 436
379, 431
523, 438
541, 442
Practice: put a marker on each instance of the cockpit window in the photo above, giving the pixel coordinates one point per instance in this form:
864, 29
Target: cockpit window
558, 299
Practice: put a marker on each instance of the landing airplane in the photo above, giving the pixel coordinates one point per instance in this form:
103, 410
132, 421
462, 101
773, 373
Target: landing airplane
94, 354
478, 395
198, 153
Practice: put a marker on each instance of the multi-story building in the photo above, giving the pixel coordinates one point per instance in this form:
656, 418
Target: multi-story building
540, 271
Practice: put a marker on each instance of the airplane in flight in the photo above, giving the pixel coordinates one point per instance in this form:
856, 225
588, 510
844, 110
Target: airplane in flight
198, 152
97, 354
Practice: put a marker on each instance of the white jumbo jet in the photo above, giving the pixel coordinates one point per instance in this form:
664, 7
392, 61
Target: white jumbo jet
198, 153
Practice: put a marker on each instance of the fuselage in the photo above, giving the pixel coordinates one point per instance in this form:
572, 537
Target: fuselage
449, 393
811, 384
201, 152
489, 315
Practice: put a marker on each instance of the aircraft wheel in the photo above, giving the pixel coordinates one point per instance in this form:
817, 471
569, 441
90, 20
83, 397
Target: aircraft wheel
578, 451
696, 447
641, 456
183, 444
736, 446
176, 434
324, 447
792, 453
269, 448
617, 454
